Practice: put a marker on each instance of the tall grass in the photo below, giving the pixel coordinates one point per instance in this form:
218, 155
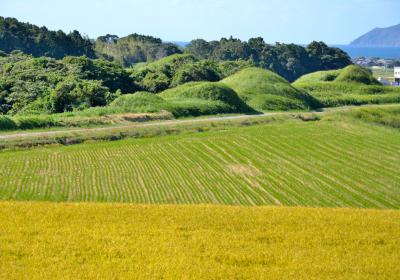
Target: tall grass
387, 116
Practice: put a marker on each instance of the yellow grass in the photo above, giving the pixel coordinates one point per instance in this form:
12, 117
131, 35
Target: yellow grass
122, 241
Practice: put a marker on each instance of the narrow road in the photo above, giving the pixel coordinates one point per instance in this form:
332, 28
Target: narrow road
161, 123
172, 122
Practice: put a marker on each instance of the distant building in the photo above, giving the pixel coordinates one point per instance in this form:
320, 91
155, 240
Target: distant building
383, 81
397, 74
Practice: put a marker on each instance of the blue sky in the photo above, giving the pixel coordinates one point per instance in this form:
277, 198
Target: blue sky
297, 21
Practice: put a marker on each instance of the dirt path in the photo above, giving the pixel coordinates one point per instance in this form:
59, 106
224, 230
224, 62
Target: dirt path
158, 123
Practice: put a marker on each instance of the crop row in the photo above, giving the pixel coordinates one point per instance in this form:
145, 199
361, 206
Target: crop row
308, 164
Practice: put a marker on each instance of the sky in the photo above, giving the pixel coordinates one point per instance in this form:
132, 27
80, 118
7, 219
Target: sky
287, 21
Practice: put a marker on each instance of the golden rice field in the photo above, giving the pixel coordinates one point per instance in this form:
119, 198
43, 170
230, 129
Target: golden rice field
41, 240
325, 163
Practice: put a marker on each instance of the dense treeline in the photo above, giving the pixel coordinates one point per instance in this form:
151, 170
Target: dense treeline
133, 48
288, 60
39, 41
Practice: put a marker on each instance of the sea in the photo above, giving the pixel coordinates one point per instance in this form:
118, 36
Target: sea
380, 52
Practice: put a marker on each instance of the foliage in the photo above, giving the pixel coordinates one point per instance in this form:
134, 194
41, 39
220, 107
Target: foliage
72, 94
39, 41
133, 48
288, 60
44, 85
179, 69
263, 90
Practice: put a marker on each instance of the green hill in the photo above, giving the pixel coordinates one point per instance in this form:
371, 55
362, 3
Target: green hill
351, 74
205, 98
352, 85
264, 90
140, 102
356, 74
191, 99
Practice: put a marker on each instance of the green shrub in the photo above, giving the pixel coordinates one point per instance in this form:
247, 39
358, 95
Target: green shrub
30, 122
7, 123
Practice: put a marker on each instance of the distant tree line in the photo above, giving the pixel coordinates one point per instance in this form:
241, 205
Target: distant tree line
288, 60
39, 41
133, 49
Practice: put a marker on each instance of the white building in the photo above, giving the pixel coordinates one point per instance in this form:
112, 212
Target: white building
397, 74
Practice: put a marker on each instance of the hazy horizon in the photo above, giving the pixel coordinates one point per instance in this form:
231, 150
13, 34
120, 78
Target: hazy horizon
181, 21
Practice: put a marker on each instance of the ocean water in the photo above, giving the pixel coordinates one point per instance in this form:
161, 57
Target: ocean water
381, 52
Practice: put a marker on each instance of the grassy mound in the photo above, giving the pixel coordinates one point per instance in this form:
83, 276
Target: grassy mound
205, 98
264, 90
140, 102
350, 74
352, 85
320, 76
356, 74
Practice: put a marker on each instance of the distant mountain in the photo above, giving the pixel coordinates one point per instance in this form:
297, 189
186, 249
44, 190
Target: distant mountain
385, 37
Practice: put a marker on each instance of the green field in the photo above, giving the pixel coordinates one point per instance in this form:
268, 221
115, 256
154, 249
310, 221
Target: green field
323, 163
114, 241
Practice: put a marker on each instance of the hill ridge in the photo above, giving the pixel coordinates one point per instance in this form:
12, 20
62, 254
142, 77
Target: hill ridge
389, 36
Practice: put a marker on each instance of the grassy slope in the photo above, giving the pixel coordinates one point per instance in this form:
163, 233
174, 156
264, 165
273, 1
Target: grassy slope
206, 98
92, 241
310, 164
264, 90
352, 85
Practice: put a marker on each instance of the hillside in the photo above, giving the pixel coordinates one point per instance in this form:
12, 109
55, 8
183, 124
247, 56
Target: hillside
385, 37
352, 85
264, 90
350, 74
201, 98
